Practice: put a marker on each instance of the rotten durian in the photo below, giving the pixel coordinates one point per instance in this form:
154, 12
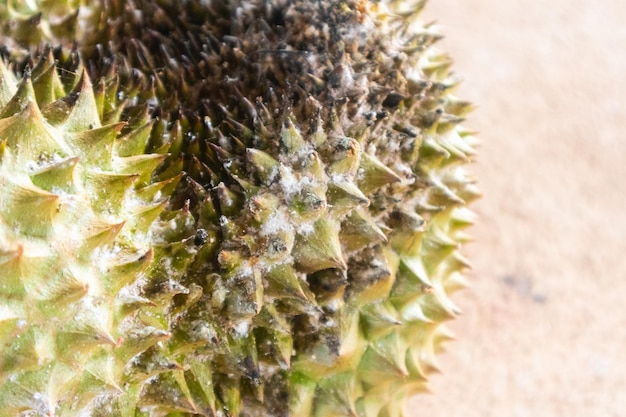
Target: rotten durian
303, 263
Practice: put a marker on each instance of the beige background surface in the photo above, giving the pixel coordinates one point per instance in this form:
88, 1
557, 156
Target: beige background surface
544, 327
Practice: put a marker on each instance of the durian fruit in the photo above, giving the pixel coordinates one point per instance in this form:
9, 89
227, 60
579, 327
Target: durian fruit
303, 265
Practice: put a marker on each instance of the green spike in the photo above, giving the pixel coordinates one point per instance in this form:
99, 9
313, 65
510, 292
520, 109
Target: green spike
175, 227
83, 114
18, 267
373, 174
437, 306
150, 363
412, 282
158, 190
187, 337
320, 248
125, 270
392, 408
80, 340
412, 311
201, 387
266, 167
143, 165
321, 357
134, 142
436, 65
139, 338
242, 347
95, 144
359, 230
127, 304
455, 282
245, 297
99, 236
248, 188
111, 103
437, 246
242, 131
30, 140
174, 169
168, 391
21, 352
311, 165
105, 368
47, 85
230, 201
446, 125
309, 203
440, 336
193, 296
336, 396
274, 346
431, 154
61, 290
9, 321
378, 320
417, 371
264, 210
23, 96
35, 391
23, 31
343, 154
282, 282
383, 361
198, 170
109, 189
344, 196
415, 269
290, 138
28, 208
57, 176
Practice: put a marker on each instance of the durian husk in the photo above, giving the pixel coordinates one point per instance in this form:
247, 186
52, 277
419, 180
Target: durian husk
77, 207
304, 264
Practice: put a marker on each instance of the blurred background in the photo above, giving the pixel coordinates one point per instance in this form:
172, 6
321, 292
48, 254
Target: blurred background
543, 332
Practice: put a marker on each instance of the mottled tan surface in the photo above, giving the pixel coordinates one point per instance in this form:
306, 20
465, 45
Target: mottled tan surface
544, 327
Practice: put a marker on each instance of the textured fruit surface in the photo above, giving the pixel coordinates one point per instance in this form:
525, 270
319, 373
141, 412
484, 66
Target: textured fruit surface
76, 208
302, 266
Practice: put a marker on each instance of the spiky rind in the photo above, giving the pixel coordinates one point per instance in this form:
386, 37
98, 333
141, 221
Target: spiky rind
76, 244
306, 264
